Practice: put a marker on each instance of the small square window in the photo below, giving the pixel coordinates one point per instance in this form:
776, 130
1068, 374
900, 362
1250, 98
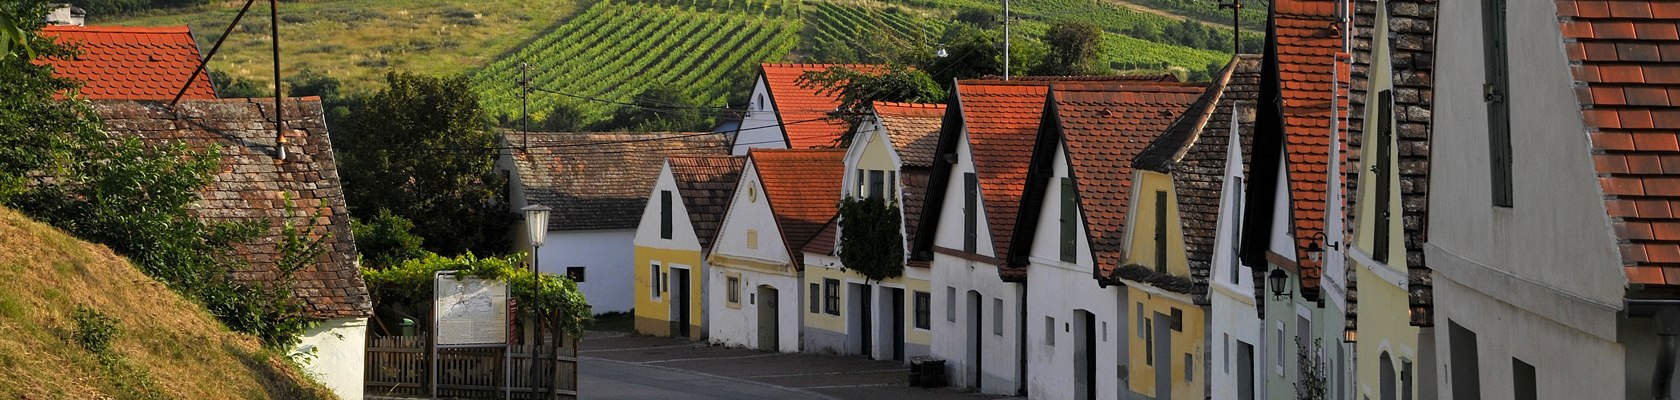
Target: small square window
831, 296
576, 273
734, 290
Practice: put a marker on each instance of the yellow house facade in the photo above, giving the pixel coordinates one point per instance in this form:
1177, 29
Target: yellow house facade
680, 221
1182, 338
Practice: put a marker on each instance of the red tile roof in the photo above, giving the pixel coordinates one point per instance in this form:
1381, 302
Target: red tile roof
824, 242
130, 63
1104, 130
803, 110
914, 129
1307, 44
1625, 56
803, 187
706, 183
599, 180
1002, 120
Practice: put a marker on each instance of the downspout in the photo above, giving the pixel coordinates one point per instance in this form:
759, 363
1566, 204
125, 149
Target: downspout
1021, 338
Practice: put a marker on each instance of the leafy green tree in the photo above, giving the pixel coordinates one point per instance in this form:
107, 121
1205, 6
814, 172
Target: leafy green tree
386, 240
33, 126
1072, 49
870, 240
233, 87
972, 53
660, 108
423, 149
980, 18
858, 89
565, 117
14, 41
312, 83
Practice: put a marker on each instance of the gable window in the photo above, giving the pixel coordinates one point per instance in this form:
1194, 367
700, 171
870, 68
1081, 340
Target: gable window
664, 214
1070, 215
761, 103
815, 300
1161, 231
1385, 163
653, 280
997, 316
971, 215
752, 238
862, 184
1236, 229
876, 180
892, 186
1496, 92
831, 296
924, 310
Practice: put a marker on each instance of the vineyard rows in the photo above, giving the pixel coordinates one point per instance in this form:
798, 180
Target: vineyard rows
831, 24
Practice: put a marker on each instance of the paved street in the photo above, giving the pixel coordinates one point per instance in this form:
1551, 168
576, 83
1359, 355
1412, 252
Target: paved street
621, 366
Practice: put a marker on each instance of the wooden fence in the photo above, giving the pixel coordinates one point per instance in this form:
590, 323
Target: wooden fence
398, 366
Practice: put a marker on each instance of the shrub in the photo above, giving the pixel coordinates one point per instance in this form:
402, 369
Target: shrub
94, 330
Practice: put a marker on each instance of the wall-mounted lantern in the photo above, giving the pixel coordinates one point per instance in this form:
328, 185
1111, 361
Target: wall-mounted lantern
1315, 251
1279, 279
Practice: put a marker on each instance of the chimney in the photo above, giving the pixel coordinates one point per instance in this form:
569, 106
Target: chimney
65, 14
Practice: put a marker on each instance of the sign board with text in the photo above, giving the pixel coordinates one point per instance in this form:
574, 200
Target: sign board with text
470, 311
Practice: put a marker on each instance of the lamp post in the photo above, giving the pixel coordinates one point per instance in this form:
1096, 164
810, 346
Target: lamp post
536, 229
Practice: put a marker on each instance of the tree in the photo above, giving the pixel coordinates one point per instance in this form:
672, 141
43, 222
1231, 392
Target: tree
386, 240
858, 89
311, 83
34, 127
972, 53
980, 18
423, 149
660, 108
1072, 49
565, 117
870, 240
232, 87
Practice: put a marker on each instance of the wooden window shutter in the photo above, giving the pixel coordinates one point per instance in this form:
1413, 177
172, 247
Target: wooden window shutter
665, 214
971, 215
1160, 231
1496, 92
1383, 170
1070, 215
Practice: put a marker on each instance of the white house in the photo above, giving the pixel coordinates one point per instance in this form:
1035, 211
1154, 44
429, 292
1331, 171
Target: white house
783, 113
1552, 179
597, 185
1293, 215
687, 204
889, 158
252, 187
783, 199
979, 171
1234, 322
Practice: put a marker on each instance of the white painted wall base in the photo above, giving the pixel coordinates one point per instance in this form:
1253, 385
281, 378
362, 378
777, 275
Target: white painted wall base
335, 354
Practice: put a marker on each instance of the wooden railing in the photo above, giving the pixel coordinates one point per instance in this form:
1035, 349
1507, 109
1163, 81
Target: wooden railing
398, 366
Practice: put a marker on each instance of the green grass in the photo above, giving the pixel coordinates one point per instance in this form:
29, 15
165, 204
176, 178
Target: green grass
613, 322
357, 41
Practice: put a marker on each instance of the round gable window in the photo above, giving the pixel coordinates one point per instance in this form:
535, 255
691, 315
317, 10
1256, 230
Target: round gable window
752, 192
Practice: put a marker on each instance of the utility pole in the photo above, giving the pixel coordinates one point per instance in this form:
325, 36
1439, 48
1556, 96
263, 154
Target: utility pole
279, 120
524, 106
1006, 40
1236, 25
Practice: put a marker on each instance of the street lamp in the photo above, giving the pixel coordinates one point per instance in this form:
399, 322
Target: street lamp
536, 229
1278, 279
1315, 251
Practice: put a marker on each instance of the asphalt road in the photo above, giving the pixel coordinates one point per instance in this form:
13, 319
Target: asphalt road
608, 380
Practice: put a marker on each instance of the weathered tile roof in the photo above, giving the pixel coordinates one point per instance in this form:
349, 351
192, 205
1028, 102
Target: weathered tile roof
1163, 78
1197, 163
824, 243
600, 180
1104, 130
915, 182
803, 188
706, 183
252, 184
804, 110
914, 129
1412, 30
130, 63
1625, 58
1307, 43
1002, 120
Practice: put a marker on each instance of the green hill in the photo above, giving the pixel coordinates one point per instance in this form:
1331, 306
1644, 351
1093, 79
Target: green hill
165, 346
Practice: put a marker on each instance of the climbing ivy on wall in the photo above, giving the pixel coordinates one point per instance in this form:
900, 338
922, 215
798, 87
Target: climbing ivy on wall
870, 240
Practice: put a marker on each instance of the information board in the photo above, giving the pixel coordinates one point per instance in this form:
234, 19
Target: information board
470, 311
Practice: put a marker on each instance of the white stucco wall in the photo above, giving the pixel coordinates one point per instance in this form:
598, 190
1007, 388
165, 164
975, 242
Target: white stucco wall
760, 128
750, 210
738, 326
1233, 312
1569, 363
607, 256
335, 354
682, 228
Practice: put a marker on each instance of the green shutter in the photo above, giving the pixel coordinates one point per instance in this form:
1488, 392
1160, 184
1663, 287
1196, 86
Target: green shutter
1496, 92
971, 215
1070, 215
1160, 231
1384, 168
665, 214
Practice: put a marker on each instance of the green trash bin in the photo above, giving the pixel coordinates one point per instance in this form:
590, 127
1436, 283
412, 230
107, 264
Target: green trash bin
407, 327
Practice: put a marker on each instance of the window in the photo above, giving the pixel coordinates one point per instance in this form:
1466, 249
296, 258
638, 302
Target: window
653, 281
664, 214
950, 304
761, 103
831, 296
665, 282
734, 290
1385, 377
892, 185
752, 238
1140, 319
1496, 92
1466, 375
1189, 368
1522, 378
1049, 330
971, 215
1148, 341
815, 297
1226, 357
1161, 231
1070, 216
576, 273
876, 180
1405, 379
1385, 133
862, 184
997, 317
924, 310
1236, 229
1278, 350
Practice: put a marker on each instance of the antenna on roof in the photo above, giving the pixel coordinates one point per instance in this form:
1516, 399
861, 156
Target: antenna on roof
524, 106
1006, 40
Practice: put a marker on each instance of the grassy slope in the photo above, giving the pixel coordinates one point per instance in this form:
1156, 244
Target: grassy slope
358, 40
171, 347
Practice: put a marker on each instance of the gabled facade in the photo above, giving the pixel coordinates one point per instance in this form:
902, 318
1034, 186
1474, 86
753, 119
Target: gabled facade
889, 158
784, 113
689, 198
782, 201
1553, 255
597, 185
130, 63
1071, 236
1387, 173
979, 170
253, 187
1221, 152
1293, 222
